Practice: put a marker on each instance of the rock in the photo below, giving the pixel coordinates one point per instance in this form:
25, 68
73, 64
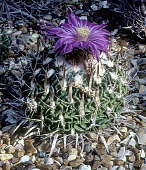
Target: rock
2, 148
132, 142
123, 129
41, 154
48, 17
89, 158
10, 149
29, 148
119, 162
94, 7
96, 164
49, 161
4, 157
33, 158
87, 148
121, 168
103, 168
141, 135
143, 167
15, 160
65, 168
112, 138
76, 163
25, 158
19, 153
121, 154
40, 161
85, 167
131, 158
6, 166
73, 154
66, 162
83, 17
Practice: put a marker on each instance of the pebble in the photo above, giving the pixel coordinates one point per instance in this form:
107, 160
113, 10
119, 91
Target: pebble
131, 158
87, 148
10, 149
73, 154
103, 168
83, 17
141, 135
49, 161
76, 162
4, 157
41, 154
89, 158
25, 158
19, 153
6, 166
40, 161
85, 167
2, 149
65, 167
143, 167
94, 7
29, 148
119, 162
48, 17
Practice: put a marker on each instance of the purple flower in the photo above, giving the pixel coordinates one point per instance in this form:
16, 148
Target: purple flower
79, 33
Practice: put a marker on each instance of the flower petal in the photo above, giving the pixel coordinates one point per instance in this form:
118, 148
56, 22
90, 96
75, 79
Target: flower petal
72, 19
94, 50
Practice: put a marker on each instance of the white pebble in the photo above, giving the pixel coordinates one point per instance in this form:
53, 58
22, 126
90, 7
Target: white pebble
25, 158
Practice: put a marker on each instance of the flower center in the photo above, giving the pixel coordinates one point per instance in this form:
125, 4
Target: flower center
83, 33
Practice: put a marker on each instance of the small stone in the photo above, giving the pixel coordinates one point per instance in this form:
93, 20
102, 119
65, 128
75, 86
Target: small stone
96, 164
103, 168
131, 158
141, 135
83, 17
65, 167
21, 47
66, 162
93, 145
121, 168
48, 17
97, 158
40, 161
123, 129
87, 148
6, 166
15, 160
10, 149
143, 167
94, 7
76, 163
85, 167
19, 153
2, 148
89, 158
41, 154
49, 161
33, 158
119, 162
17, 33
73, 154
29, 148
4, 157
59, 159
25, 158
